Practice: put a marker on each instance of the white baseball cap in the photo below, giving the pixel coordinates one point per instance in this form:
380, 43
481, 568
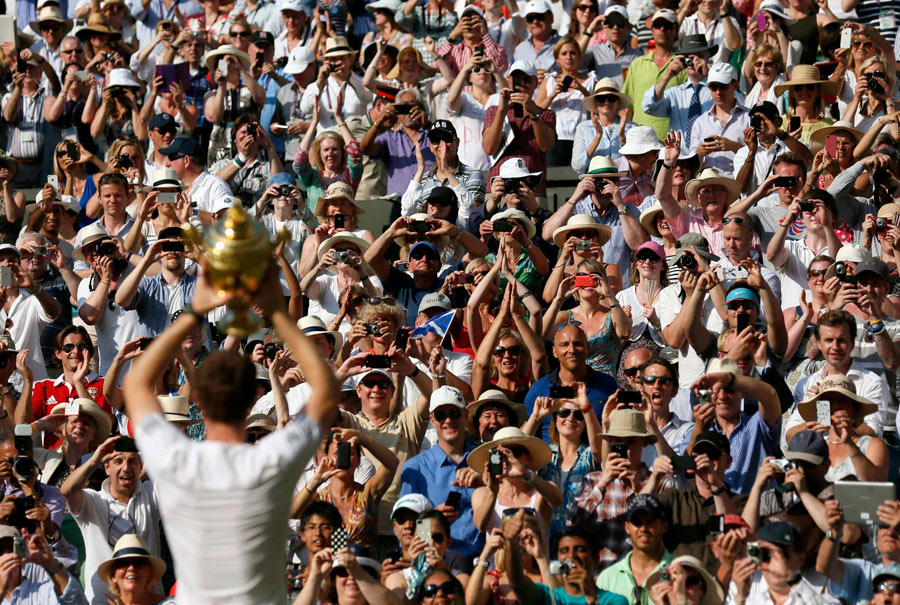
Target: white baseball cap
617, 9
665, 13
292, 5
722, 73
417, 503
525, 66
299, 59
446, 396
536, 7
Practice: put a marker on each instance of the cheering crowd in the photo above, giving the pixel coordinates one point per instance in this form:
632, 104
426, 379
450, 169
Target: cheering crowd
570, 302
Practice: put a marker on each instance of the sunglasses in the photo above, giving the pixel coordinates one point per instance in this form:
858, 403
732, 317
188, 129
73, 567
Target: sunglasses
566, 412
420, 254
735, 219
244, 34
610, 23
717, 86
381, 384
649, 257
631, 372
509, 512
69, 347
662, 25
586, 7
430, 590
166, 131
764, 64
377, 300
571, 322
806, 86
534, 18
76, 51
50, 27
887, 587
604, 99
737, 305
662, 380
817, 272
439, 137
514, 350
865, 45
454, 414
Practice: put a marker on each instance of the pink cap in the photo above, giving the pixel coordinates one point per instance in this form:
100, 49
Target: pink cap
653, 247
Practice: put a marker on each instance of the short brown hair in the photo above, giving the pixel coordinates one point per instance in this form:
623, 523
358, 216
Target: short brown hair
226, 387
836, 318
790, 158
68, 330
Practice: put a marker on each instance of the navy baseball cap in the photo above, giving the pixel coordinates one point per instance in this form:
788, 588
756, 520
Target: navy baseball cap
781, 533
161, 120
184, 146
441, 127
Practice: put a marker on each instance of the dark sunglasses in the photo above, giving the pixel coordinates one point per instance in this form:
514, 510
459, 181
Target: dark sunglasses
662, 25
76, 51
514, 350
454, 414
430, 590
166, 131
738, 220
649, 256
866, 45
764, 64
370, 383
571, 322
737, 305
377, 300
509, 512
604, 99
817, 272
47, 27
586, 7
533, 18
662, 380
631, 372
566, 412
887, 587
717, 86
69, 347
806, 86
420, 254
610, 23
244, 34
437, 137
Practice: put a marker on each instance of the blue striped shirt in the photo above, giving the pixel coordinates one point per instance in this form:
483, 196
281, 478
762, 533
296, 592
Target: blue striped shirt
751, 441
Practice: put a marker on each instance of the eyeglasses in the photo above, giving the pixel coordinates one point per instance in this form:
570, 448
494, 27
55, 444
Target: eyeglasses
737, 305
571, 322
509, 512
377, 300
715, 86
566, 412
381, 384
69, 347
652, 258
514, 350
604, 99
430, 590
662, 380
454, 414
738, 220
243, 34
864, 44
816, 272
534, 18
764, 64
631, 372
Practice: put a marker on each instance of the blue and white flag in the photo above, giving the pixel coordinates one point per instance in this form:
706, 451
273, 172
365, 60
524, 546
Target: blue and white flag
438, 325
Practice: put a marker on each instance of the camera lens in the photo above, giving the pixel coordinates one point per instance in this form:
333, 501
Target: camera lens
23, 466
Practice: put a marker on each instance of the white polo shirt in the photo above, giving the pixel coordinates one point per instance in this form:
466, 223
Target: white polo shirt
28, 318
103, 520
225, 507
206, 189
115, 328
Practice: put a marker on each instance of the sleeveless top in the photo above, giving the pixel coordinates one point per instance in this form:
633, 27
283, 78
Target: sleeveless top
362, 519
90, 188
497, 516
845, 468
603, 346
497, 595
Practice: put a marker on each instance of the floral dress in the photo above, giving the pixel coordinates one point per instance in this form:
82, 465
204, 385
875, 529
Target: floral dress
569, 482
316, 184
362, 520
603, 346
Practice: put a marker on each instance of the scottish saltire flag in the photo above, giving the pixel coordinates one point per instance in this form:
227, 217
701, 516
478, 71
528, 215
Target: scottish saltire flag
439, 325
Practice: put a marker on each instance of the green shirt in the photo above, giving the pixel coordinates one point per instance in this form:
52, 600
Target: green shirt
643, 74
618, 578
563, 598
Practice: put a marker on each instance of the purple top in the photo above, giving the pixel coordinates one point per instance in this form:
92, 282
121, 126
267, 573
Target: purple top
396, 151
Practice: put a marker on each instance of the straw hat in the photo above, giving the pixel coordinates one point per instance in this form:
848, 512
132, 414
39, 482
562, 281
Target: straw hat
606, 86
338, 190
51, 13
601, 166
518, 216
889, 209
102, 421
648, 218
427, 70
511, 435
311, 325
518, 412
210, 59
624, 423
337, 47
714, 593
836, 383
130, 546
341, 236
817, 139
806, 74
97, 24
176, 409
89, 235
579, 222
712, 176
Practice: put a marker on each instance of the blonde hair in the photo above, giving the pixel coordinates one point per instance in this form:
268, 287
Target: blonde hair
529, 521
590, 265
370, 312
767, 50
524, 359
115, 150
889, 73
567, 39
314, 156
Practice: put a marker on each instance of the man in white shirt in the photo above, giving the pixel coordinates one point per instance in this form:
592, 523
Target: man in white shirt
719, 133
186, 158
542, 38
124, 505
225, 505
336, 76
722, 32
612, 58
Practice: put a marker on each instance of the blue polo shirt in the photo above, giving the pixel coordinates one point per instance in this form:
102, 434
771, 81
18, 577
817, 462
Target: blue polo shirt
750, 442
599, 387
430, 474
154, 303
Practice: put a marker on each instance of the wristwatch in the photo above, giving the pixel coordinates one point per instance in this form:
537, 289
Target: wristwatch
832, 535
716, 492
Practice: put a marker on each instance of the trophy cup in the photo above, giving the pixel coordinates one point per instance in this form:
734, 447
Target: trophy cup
238, 251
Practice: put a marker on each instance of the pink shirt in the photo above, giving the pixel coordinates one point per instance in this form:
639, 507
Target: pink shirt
693, 222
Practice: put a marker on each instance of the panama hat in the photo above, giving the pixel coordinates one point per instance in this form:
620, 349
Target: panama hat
518, 216
226, 49
427, 70
640, 140
606, 86
648, 219
337, 47
776, 8
601, 166
712, 176
51, 13
817, 139
311, 325
122, 76
97, 24
338, 190
579, 222
714, 593
510, 435
176, 409
88, 235
847, 254
102, 421
341, 236
806, 74
842, 385
130, 546
518, 412
624, 423
166, 178
64, 203
442, 243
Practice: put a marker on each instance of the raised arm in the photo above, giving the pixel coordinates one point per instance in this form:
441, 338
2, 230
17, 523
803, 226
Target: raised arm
73, 488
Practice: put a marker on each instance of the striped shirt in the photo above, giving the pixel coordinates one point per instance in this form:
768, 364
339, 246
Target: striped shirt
869, 12
27, 135
751, 441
